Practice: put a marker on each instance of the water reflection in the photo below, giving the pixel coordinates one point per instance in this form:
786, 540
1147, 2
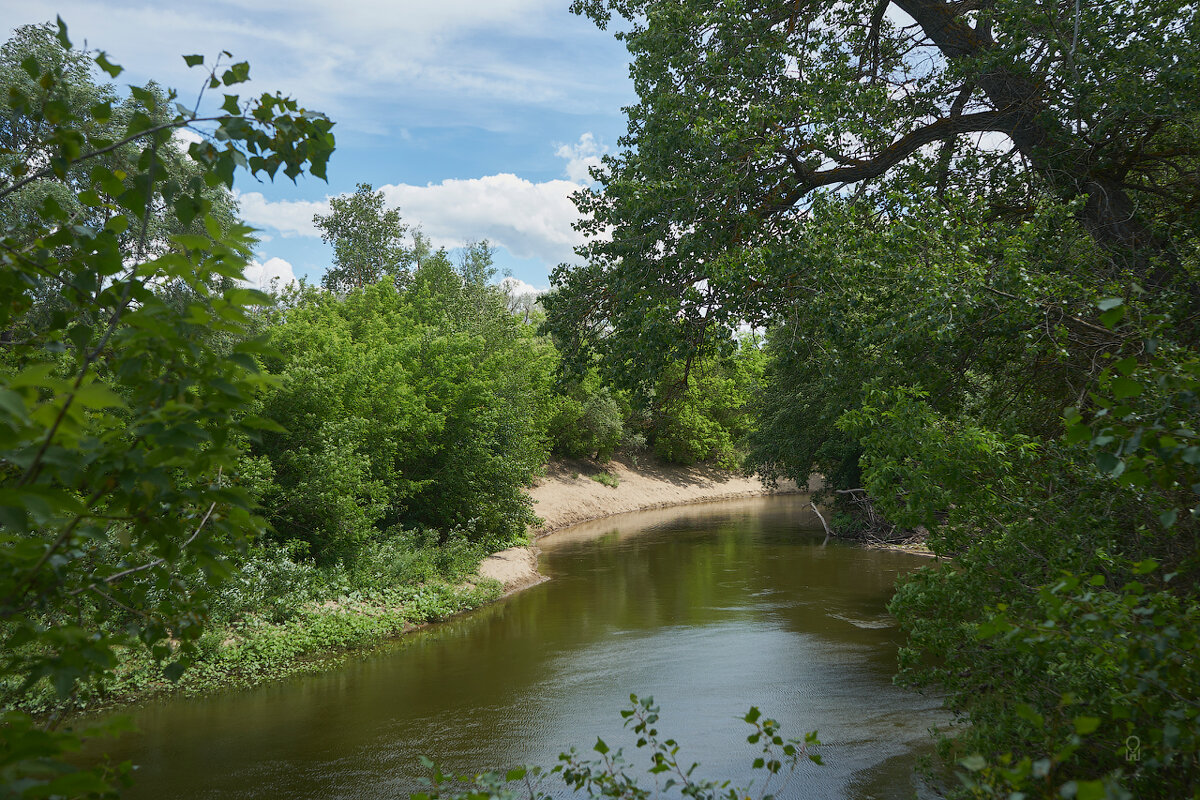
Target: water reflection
710, 609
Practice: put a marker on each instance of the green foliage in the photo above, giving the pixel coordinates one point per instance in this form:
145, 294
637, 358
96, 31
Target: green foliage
279, 614
606, 479
695, 413
123, 412
705, 415
933, 301
1130, 658
367, 240
587, 421
608, 773
421, 408
257, 649
1142, 415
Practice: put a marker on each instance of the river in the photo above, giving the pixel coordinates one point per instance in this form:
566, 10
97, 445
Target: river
711, 609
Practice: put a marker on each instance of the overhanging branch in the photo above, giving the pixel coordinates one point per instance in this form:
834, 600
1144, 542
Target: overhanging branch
893, 154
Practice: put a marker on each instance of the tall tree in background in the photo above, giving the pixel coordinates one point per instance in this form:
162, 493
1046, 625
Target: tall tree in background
367, 239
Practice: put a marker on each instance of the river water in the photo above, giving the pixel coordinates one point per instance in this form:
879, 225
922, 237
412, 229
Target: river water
711, 609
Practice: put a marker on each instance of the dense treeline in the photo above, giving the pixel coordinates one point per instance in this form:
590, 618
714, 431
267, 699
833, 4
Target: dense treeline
401, 415
971, 232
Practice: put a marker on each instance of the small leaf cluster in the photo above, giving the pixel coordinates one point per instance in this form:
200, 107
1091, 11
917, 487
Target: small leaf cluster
608, 773
1141, 423
414, 407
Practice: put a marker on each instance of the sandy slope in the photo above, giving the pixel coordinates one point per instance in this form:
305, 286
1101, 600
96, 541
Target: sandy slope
568, 496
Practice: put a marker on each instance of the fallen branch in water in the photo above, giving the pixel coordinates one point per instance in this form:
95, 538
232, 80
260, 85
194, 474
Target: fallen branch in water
824, 524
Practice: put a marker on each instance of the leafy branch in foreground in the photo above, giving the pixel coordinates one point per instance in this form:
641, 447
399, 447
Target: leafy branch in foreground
127, 373
608, 775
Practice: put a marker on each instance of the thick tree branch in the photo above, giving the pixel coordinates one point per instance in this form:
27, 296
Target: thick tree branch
1060, 156
893, 154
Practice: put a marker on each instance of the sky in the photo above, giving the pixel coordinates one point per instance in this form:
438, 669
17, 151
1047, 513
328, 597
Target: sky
477, 118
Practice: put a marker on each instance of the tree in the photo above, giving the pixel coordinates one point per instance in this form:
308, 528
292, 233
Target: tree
121, 423
748, 111
421, 408
367, 239
955, 220
33, 48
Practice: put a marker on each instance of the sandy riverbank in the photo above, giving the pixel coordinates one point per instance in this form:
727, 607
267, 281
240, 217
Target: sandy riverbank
568, 495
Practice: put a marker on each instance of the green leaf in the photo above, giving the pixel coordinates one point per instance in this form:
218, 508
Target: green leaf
974, 763
80, 783
1083, 790
101, 112
31, 66
1110, 303
192, 241
1125, 387
1086, 725
61, 35
12, 403
600, 747
1125, 366
1029, 714
112, 69
1168, 518
1110, 318
97, 395
193, 60
263, 424
1110, 464
34, 375
238, 73
1078, 433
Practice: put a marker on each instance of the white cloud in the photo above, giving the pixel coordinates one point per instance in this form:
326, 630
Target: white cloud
352, 59
288, 217
515, 287
529, 220
260, 276
187, 136
581, 157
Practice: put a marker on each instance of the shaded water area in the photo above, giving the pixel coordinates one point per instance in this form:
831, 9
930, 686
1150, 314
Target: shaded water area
710, 609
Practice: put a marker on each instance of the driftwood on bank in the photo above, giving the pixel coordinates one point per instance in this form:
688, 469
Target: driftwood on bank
876, 529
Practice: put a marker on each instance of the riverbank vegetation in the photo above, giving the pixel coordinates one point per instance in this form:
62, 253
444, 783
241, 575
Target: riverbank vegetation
945, 254
205, 485
970, 232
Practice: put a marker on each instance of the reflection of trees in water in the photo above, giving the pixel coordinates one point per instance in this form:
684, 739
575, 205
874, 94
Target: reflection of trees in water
757, 565
704, 607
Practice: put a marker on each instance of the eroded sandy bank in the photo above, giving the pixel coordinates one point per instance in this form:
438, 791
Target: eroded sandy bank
568, 495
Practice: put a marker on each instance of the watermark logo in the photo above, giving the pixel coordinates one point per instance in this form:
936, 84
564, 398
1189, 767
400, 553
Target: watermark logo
1133, 749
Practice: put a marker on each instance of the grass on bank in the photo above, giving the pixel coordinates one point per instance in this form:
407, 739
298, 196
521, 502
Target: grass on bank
282, 614
607, 479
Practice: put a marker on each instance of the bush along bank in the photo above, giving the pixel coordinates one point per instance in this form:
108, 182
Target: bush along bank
281, 615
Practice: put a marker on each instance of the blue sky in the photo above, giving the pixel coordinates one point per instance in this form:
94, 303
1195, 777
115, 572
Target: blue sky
476, 118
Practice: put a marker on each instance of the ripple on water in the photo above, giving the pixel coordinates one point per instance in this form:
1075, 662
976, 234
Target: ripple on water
710, 611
